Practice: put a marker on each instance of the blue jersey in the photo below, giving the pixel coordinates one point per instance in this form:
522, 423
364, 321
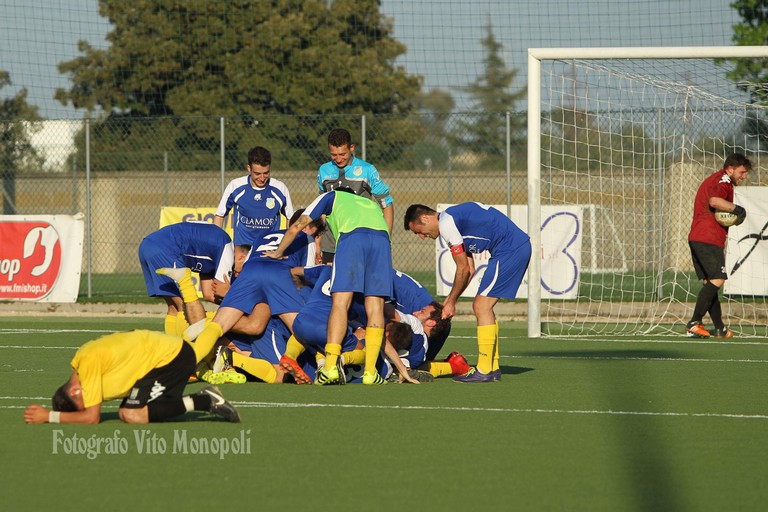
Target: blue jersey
408, 294
360, 176
269, 345
416, 353
197, 245
480, 228
256, 211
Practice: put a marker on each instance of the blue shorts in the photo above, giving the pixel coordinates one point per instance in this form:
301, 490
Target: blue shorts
363, 263
269, 346
312, 331
153, 256
505, 272
266, 281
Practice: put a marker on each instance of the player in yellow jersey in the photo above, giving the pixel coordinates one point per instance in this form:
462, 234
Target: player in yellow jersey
147, 370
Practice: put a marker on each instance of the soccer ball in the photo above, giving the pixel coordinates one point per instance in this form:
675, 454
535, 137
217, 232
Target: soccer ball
728, 219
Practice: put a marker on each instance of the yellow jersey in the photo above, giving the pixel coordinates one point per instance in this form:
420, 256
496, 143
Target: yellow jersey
109, 366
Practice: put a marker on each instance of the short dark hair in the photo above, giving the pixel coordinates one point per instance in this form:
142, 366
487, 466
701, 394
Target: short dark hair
413, 213
442, 327
737, 160
339, 137
400, 335
259, 155
61, 400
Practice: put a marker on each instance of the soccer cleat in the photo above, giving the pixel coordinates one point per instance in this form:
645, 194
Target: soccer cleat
496, 374
219, 405
223, 372
723, 333
418, 375
459, 364
177, 274
225, 377
474, 375
327, 375
373, 378
223, 360
696, 330
291, 367
342, 373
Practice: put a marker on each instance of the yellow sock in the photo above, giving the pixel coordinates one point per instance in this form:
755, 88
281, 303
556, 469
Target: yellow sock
209, 315
187, 288
332, 353
438, 368
373, 339
204, 343
259, 368
356, 356
169, 326
181, 323
496, 349
293, 348
486, 336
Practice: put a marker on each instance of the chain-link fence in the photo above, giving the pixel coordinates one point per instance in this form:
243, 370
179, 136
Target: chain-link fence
121, 172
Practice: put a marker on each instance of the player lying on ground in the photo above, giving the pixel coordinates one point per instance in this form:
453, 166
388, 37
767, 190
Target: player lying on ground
147, 370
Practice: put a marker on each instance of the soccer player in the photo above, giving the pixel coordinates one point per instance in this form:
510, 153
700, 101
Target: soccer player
263, 281
362, 264
471, 228
359, 176
707, 241
258, 200
148, 370
199, 246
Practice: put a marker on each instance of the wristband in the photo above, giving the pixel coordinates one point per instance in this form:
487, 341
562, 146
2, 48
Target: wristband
53, 417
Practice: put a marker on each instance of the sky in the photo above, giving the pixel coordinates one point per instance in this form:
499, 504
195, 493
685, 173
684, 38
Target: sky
443, 37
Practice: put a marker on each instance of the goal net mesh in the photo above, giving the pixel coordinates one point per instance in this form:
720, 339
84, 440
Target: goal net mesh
629, 141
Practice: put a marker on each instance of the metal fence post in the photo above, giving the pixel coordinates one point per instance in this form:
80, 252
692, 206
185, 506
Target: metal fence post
88, 239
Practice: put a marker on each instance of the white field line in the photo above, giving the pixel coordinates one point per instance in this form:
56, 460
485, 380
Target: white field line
497, 409
294, 405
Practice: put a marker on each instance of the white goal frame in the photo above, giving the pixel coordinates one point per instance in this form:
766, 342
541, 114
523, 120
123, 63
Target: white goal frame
535, 57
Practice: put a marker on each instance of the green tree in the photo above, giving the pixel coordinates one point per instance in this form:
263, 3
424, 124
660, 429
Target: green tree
751, 75
18, 121
493, 96
265, 63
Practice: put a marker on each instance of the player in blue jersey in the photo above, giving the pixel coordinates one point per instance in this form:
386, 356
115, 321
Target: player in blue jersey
258, 201
361, 177
256, 355
362, 264
199, 246
471, 228
263, 281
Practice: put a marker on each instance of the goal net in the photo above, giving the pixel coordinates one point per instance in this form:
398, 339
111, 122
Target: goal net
627, 135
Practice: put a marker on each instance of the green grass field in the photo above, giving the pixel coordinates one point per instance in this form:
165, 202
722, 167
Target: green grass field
614, 424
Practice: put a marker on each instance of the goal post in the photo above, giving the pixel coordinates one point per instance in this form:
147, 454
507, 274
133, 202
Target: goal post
630, 133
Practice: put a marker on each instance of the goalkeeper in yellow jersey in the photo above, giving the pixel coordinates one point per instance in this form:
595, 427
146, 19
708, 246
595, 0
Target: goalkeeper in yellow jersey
147, 370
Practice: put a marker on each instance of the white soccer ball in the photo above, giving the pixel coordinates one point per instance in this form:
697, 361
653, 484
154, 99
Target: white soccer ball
728, 219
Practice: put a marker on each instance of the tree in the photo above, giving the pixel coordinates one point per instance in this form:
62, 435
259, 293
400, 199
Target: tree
255, 60
751, 75
493, 97
18, 120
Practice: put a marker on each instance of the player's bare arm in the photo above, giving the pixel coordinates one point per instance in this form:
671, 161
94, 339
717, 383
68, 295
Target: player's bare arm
464, 270
290, 235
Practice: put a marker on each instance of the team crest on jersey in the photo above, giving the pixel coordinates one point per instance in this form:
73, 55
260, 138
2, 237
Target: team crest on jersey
271, 203
358, 171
